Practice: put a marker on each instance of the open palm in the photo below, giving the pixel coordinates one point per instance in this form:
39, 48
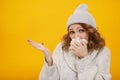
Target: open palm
36, 45
42, 48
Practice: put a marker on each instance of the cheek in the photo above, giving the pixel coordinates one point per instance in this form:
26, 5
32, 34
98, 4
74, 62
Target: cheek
71, 36
84, 36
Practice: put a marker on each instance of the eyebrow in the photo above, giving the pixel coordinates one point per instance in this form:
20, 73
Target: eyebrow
80, 28
70, 29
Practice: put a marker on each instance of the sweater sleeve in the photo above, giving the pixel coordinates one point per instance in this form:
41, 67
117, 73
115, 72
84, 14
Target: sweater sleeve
51, 72
98, 70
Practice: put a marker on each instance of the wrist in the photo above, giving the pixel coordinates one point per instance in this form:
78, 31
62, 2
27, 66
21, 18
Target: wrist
82, 56
46, 52
49, 60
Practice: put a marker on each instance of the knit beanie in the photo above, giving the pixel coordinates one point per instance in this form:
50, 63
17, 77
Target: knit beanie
81, 15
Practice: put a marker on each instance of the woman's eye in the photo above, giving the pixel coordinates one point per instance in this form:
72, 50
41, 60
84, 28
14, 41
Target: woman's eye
71, 32
81, 30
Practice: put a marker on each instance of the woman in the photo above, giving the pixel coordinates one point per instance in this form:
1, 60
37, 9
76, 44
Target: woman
81, 55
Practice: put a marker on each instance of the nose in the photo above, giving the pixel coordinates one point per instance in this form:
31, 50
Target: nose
77, 35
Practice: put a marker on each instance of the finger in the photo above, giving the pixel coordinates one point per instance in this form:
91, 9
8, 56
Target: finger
42, 43
34, 43
30, 41
73, 48
83, 43
74, 41
74, 45
74, 51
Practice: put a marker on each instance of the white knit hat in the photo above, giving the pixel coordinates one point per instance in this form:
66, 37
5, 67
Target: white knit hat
81, 15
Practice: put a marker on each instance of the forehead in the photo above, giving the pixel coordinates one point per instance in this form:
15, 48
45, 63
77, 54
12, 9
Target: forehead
75, 26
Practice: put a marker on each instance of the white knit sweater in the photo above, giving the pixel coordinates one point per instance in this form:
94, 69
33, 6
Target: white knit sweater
67, 66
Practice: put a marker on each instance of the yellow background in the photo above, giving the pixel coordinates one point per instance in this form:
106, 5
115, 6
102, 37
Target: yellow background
45, 21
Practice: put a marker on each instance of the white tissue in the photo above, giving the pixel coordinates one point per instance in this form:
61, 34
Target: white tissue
78, 40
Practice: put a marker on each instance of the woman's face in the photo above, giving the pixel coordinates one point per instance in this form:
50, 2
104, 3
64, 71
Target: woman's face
76, 30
